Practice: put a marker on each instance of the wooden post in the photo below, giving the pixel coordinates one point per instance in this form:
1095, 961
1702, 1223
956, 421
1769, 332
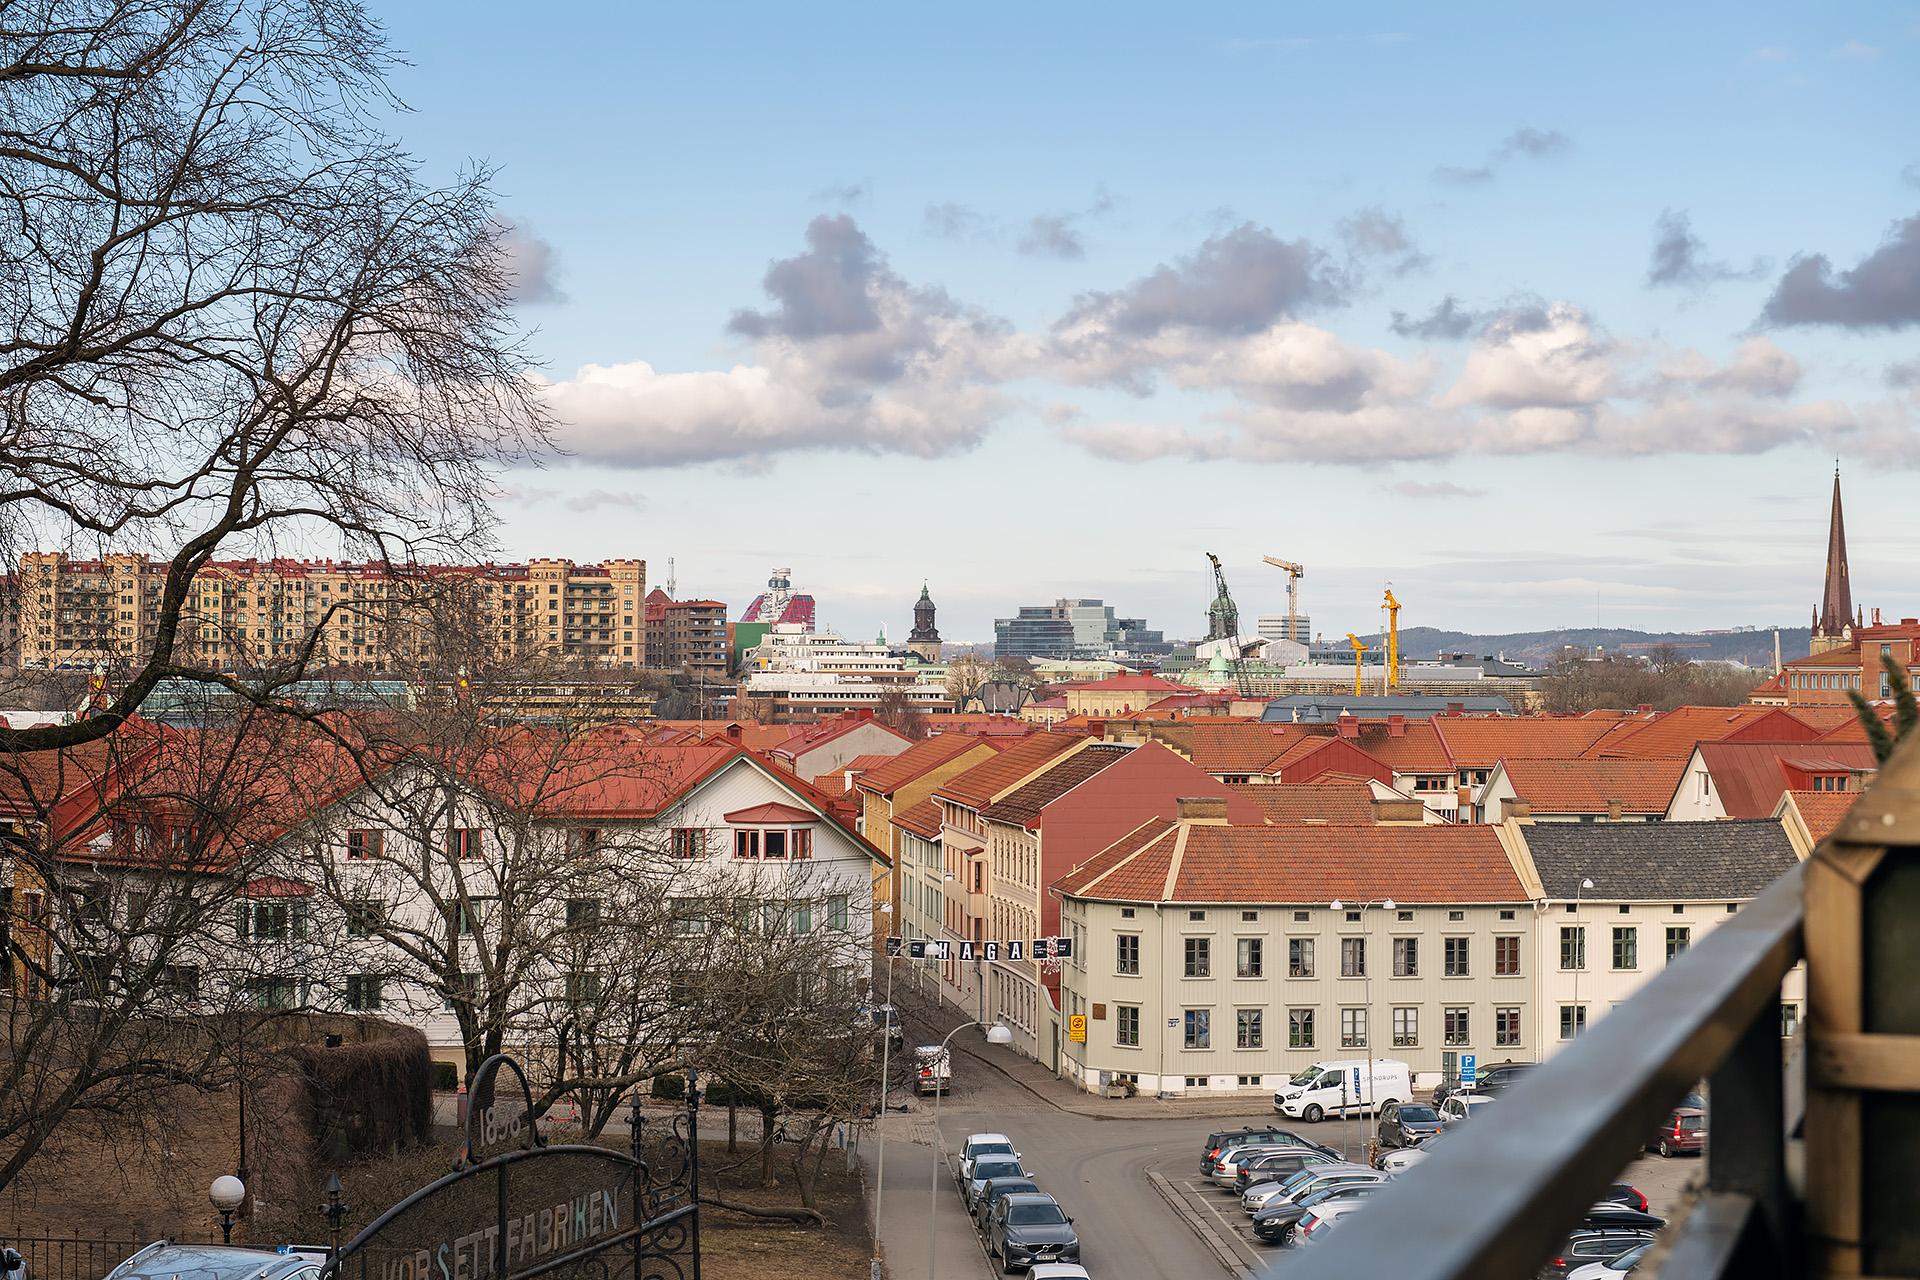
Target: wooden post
1863, 1031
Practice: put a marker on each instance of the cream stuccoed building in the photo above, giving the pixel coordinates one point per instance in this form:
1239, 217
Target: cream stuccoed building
1211, 957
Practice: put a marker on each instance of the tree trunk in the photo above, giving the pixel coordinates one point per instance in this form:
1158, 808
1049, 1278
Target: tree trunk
790, 1214
733, 1124
768, 1115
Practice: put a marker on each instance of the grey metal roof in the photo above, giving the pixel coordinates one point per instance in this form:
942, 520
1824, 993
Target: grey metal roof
1659, 861
1322, 708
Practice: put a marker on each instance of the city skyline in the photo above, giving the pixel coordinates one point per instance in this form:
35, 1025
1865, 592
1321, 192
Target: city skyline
1432, 306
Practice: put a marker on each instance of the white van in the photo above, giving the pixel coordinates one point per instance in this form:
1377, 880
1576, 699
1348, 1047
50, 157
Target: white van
1335, 1088
933, 1069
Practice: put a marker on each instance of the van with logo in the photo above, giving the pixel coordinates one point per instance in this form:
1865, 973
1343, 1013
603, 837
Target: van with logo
1342, 1087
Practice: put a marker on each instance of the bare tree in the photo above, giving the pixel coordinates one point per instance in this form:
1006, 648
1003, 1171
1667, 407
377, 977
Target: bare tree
900, 713
965, 675
231, 310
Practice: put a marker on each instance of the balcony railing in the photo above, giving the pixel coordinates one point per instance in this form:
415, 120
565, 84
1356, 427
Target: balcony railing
1495, 1200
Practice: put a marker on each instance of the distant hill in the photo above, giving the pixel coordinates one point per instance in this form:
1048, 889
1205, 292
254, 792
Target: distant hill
1755, 648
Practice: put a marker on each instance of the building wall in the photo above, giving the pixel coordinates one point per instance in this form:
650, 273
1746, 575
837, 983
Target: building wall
876, 814
1696, 798
870, 739
1091, 985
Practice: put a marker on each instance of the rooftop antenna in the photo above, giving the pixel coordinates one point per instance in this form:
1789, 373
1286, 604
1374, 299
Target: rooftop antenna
672, 583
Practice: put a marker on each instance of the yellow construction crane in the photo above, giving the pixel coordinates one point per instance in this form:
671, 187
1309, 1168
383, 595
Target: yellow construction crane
1358, 650
1393, 639
1294, 572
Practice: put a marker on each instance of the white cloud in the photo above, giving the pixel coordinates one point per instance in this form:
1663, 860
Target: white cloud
1562, 363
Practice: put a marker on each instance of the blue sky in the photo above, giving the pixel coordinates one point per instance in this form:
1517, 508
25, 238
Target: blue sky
1050, 300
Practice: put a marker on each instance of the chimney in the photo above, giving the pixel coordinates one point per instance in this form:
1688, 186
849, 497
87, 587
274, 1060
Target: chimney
1396, 726
1097, 728
1456, 708
1211, 810
1644, 709
1348, 725
1518, 811
1398, 811
1614, 810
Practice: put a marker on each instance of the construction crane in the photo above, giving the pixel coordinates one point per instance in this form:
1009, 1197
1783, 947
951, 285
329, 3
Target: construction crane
1294, 572
1223, 623
1392, 606
1358, 650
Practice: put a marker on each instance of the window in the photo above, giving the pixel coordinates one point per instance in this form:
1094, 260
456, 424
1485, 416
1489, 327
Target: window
1406, 957
1573, 1020
1455, 1017
1454, 957
582, 912
1353, 917
1353, 1028
773, 845
1199, 957
1249, 1029
1353, 957
1506, 956
1249, 956
1197, 1033
1573, 946
1126, 913
837, 911
1299, 1028
689, 842
746, 844
582, 840
463, 842
1789, 1020
363, 992
1299, 957
1506, 1026
364, 916
463, 919
1299, 917
1249, 917
1405, 916
1406, 1026
800, 845
277, 991
1456, 916
273, 921
583, 987
800, 921
1126, 953
1126, 1025
365, 844
1506, 914
1678, 938
1626, 947
1196, 915
181, 981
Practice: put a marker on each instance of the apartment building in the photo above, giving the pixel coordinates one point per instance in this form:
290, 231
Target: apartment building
1214, 957
692, 638
241, 613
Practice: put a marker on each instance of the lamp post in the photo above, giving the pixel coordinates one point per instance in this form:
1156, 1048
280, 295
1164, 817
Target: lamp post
1579, 1021
998, 1033
336, 1209
227, 1194
1366, 973
879, 1134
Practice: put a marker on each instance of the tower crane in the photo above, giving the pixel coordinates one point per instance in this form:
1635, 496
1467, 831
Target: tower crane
1392, 607
1359, 649
1223, 623
1294, 571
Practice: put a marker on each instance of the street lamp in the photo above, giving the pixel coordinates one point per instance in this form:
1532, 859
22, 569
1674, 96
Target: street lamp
1366, 973
879, 1133
336, 1209
227, 1193
1579, 1018
998, 1033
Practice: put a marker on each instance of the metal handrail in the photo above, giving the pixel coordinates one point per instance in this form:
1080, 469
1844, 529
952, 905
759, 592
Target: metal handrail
1496, 1199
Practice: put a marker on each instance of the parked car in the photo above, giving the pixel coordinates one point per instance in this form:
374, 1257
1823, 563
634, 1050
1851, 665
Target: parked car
995, 1191
1401, 1159
1623, 1196
163, 1260
1491, 1078
982, 1144
1462, 1106
1276, 1166
1057, 1271
1613, 1268
1255, 1198
985, 1170
932, 1069
1030, 1228
1226, 1170
1403, 1124
1684, 1132
1341, 1085
1606, 1233
1227, 1139
1320, 1219
1277, 1224
886, 1021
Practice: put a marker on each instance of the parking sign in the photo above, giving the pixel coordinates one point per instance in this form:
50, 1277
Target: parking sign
1466, 1068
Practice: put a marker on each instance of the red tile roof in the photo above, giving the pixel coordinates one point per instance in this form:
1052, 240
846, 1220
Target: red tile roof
1300, 863
978, 786
1480, 742
1326, 799
772, 813
1673, 734
1822, 811
1229, 746
808, 736
1417, 748
1751, 775
1590, 786
923, 819
919, 759
1022, 806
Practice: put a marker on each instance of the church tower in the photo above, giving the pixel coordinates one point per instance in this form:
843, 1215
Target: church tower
925, 637
1833, 625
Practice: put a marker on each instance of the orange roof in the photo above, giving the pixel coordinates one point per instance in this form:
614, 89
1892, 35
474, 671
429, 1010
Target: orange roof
1326, 799
1751, 775
918, 759
978, 786
1831, 658
1417, 748
806, 737
1825, 719
1299, 863
1822, 810
1673, 734
1590, 786
1216, 745
1479, 742
923, 819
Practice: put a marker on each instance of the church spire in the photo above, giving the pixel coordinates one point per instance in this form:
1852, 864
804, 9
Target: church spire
1836, 602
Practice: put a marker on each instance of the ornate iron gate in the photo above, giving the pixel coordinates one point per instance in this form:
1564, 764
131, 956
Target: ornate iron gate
518, 1208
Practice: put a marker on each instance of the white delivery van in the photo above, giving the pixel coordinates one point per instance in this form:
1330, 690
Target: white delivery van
932, 1069
1338, 1087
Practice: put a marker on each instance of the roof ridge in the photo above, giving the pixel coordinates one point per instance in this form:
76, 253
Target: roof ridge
1179, 856
1135, 853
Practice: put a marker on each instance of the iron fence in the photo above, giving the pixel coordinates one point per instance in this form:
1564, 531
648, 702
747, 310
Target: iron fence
70, 1257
